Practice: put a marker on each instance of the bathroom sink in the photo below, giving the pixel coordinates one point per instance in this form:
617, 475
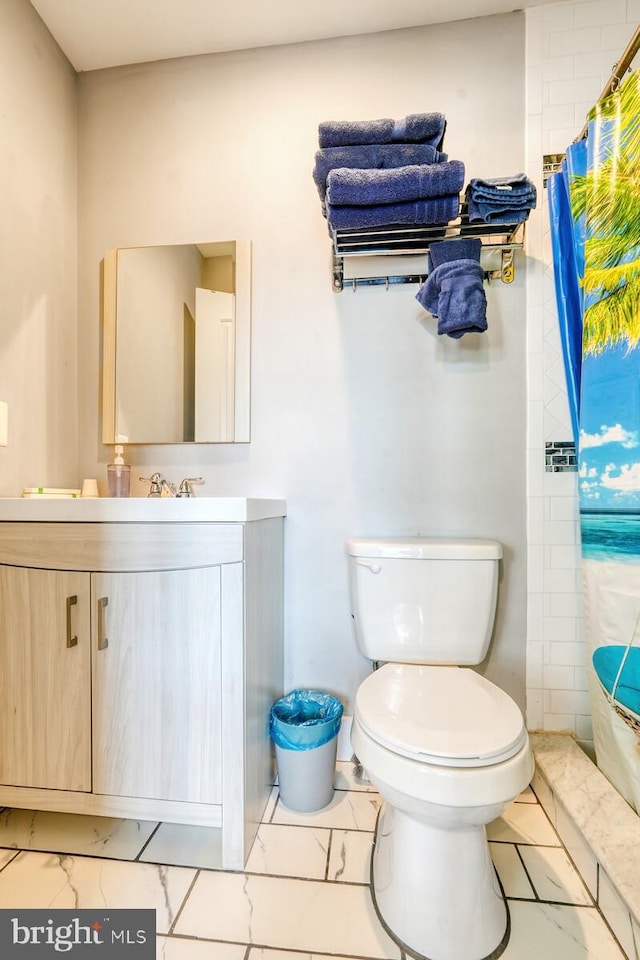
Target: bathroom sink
141, 509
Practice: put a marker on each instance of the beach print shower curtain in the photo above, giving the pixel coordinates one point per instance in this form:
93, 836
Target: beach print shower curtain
605, 207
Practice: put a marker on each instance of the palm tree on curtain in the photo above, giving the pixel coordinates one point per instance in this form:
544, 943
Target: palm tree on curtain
609, 196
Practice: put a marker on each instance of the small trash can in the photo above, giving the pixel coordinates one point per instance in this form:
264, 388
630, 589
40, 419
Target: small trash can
304, 727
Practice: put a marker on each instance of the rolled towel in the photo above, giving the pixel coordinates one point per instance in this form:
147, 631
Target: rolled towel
375, 156
435, 210
417, 182
415, 128
454, 294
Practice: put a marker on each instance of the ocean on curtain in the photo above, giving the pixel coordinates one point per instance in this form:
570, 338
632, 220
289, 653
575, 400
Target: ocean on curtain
595, 220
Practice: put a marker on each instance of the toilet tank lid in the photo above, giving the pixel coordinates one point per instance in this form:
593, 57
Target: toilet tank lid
425, 548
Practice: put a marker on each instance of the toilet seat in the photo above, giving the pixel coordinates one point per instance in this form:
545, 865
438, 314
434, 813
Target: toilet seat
442, 715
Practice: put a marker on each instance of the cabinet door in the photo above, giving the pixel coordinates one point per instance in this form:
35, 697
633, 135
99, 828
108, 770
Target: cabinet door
45, 693
156, 684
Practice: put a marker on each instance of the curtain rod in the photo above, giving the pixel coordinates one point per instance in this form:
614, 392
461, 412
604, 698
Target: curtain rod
618, 72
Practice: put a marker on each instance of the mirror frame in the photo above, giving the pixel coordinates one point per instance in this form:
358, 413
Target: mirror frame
242, 397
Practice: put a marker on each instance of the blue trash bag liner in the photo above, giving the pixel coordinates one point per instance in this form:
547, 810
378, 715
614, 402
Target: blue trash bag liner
304, 719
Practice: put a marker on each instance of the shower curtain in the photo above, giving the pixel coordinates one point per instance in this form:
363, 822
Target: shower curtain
595, 221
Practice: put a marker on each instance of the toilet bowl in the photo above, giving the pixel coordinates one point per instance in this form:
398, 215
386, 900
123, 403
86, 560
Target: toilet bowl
446, 748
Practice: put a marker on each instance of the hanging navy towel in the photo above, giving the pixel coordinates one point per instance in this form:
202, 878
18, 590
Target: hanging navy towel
415, 128
463, 248
375, 156
454, 294
416, 182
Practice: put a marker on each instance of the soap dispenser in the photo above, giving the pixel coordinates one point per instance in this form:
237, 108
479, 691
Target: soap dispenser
118, 475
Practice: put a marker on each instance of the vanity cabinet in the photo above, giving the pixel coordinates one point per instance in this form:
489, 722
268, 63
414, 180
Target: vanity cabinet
157, 694
45, 699
138, 664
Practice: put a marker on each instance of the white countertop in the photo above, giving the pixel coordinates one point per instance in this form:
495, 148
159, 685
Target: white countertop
141, 509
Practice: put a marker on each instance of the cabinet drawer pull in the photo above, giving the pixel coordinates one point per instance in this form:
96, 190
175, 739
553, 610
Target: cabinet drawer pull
71, 640
103, 642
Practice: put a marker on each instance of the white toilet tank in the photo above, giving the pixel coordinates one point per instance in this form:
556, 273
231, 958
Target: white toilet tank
424, 600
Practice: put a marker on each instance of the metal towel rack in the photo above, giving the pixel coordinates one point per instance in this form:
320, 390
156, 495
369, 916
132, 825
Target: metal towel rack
411, 241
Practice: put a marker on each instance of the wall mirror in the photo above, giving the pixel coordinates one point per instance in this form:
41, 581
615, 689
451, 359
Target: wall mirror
176, 349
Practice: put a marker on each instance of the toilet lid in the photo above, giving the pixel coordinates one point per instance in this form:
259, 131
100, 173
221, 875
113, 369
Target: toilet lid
444, 715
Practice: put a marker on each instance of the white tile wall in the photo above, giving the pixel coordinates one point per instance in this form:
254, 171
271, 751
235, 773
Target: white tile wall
571, 49
595, 13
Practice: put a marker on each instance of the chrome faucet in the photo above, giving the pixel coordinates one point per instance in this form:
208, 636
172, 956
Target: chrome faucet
159, 485
185, 489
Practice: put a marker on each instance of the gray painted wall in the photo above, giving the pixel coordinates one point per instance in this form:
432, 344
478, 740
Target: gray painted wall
38, 269
362, 417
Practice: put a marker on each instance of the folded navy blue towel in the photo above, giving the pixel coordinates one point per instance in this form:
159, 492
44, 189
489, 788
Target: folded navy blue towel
416, 182
454, 294
432, 211
492, 213
504, 203
375, 156
502, 188
501, 200
415, 128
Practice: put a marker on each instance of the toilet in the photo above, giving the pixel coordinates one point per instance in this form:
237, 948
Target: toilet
446, 748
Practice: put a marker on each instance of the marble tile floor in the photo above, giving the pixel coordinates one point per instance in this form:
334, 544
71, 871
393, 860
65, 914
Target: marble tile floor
304, 892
